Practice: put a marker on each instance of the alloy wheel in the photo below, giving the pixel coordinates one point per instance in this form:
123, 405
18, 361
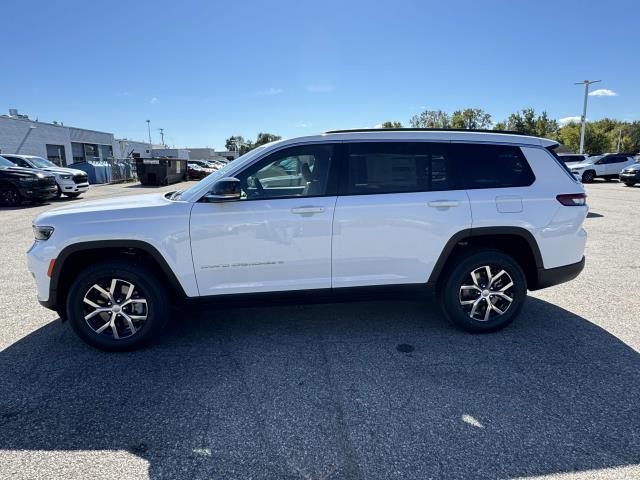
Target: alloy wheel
487, 294
115, 308
10, 197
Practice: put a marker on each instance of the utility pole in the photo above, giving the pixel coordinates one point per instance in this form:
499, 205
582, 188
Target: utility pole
162, 136
150, 144
586, 84
619, 139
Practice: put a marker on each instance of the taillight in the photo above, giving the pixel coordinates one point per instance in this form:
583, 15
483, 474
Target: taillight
573, 199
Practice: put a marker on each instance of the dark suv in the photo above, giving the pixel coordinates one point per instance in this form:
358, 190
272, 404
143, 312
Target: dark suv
18, 184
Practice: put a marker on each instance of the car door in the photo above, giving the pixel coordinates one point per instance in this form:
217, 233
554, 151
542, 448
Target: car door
278, 235
396, 211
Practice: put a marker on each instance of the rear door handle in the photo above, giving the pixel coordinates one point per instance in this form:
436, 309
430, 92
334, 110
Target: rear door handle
307, 210
444, 203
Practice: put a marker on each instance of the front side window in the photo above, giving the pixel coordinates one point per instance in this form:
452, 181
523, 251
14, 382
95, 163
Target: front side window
293, 172
396, 167
490, 166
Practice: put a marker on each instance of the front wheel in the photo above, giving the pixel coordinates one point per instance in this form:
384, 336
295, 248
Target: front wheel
484, 291
588, 177
10, 196
117, 306
629, 184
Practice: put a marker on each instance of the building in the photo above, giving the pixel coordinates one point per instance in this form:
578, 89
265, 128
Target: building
210, 154
65, 145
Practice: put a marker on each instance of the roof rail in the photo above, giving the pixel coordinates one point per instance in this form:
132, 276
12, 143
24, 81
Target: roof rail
355, 130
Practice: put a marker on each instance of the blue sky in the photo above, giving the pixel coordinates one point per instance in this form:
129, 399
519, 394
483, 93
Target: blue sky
204, 70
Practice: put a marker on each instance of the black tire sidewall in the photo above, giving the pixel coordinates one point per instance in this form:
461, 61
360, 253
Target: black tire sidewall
449, 295
588, 177
11, 188
153, 291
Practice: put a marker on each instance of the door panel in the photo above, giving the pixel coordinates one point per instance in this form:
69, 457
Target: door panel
262, 245
394, 238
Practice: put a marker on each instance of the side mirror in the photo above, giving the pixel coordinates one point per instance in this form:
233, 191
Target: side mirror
224, 190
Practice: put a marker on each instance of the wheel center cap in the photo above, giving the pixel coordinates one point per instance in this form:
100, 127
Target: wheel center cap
485, 293
116, 309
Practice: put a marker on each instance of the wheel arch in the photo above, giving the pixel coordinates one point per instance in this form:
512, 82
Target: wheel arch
74, 258
517, 242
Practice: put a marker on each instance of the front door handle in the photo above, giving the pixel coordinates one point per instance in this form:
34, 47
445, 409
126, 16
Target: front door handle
307, 210
444, 203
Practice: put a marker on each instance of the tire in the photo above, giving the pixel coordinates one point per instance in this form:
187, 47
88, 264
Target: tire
9, 196
588, 176
147, 309
629, 184
59, 193
459, 287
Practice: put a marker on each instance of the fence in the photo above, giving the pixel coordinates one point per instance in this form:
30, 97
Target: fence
113, 170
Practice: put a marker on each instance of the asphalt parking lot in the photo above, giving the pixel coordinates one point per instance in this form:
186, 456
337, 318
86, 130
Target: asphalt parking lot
326, 391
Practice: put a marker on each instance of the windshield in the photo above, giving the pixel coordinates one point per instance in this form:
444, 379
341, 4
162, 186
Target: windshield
4, 163
40, 162
206, 182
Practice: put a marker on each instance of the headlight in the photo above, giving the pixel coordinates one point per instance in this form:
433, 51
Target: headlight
42, 232
66, 177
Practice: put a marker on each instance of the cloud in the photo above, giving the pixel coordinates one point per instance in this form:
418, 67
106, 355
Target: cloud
603, 92
377, 125
153, 100
302, 125
320, 88
271, 91
566, 120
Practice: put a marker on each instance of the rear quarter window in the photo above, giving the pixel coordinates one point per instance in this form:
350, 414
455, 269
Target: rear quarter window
490, 166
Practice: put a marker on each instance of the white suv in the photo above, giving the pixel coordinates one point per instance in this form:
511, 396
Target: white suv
71, 182
477, 218
607, 166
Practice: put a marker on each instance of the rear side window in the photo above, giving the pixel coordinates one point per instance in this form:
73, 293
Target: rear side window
490, 166
395, 167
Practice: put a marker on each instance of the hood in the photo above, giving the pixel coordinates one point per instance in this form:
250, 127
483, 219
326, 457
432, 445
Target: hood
63, 171
25, 172
581, 165
635, 167
126, 202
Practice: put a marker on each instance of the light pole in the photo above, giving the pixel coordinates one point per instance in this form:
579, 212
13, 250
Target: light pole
162, 136
150, 144
586, 84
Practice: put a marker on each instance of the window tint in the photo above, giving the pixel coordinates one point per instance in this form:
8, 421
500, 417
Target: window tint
490, 166
395, 167
292, 172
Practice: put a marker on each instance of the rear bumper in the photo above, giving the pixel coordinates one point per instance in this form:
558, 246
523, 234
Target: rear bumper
547, 277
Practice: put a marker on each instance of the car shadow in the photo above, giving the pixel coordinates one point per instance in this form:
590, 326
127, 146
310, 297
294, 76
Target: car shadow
361, 390
594, 215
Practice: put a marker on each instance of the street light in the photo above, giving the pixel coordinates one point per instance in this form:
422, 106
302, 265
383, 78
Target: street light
586, 84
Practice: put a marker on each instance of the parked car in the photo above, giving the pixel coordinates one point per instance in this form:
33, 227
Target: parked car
21, 184
570, 159
206, 166
464, 215
607, 166
195, 172
631, 175
71, 182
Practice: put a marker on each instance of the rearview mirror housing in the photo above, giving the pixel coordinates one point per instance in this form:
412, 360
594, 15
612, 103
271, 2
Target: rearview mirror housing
224, 190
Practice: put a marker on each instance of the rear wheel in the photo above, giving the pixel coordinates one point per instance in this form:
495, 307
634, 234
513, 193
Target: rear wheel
484, 291
588, 176
9, 196
117, 306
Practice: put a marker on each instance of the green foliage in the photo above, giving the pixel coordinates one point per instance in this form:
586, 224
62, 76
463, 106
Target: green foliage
471, 119
431, 119
527, 122
236, 142
601, 136
391, 125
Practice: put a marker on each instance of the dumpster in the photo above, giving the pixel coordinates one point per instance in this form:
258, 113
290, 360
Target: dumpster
161, 171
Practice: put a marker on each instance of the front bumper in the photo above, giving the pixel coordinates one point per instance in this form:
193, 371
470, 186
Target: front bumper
69, 186
37, 192
630, 177
547, 277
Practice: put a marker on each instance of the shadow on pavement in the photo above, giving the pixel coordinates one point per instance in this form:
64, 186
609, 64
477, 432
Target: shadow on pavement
322, 391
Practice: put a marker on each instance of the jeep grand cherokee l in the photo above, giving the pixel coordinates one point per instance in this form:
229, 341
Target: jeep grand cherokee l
20, 184
477, 218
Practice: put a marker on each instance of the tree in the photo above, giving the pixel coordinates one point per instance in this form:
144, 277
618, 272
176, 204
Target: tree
391, 125
238, 142
234, 143
471, 119
264, 138
431, 119
527, 123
